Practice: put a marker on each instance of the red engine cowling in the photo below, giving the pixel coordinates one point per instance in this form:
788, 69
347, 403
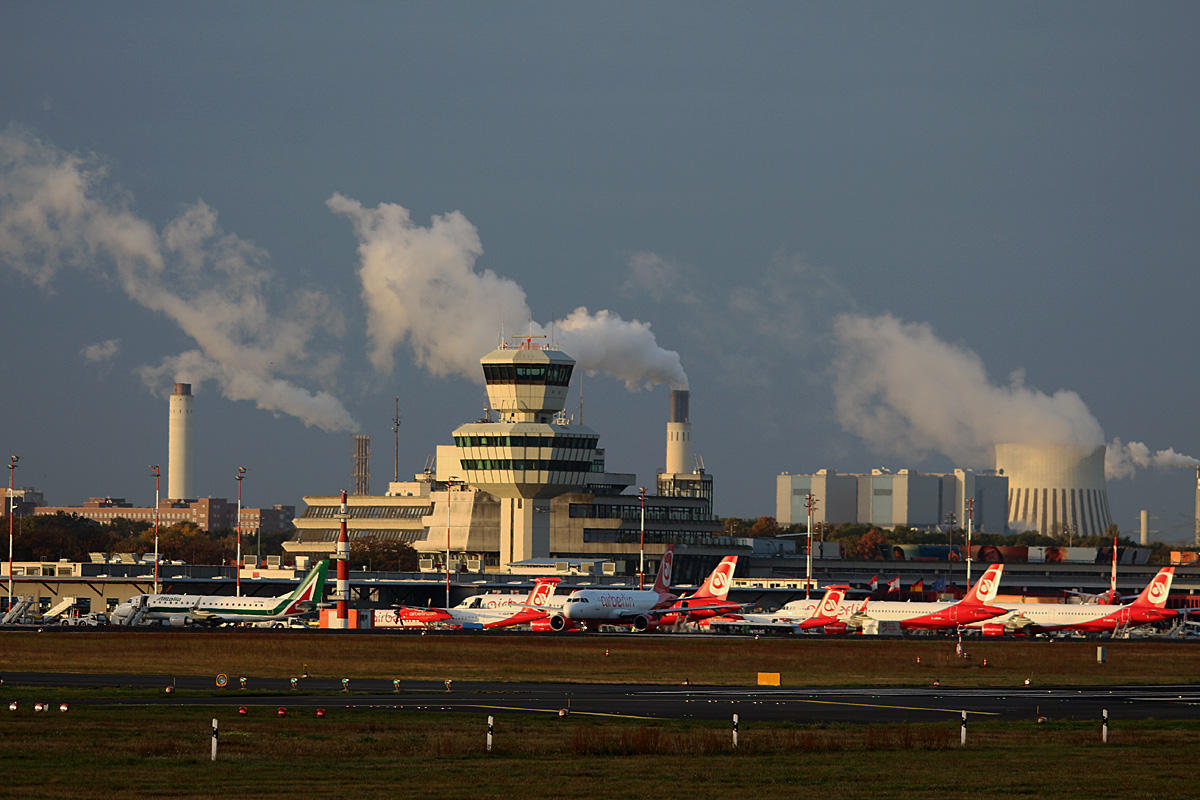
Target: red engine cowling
993, 629
642, 623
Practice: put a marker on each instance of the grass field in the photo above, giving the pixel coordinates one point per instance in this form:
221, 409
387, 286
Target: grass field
163, 752
802, 661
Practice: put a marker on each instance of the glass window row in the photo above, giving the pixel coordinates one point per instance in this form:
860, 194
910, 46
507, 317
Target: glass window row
565, 441
654, 537
542, 465
634, 512
369, 512
535, 374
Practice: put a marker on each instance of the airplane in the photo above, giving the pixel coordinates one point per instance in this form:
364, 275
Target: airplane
829, 612
489, 611
1030, 618
709, 600
183, 609
974, 607
640, 608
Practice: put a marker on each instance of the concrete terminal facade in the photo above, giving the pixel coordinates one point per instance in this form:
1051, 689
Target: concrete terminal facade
530, 483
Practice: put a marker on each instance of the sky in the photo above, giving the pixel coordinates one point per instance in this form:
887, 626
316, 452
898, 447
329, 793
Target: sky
863, 235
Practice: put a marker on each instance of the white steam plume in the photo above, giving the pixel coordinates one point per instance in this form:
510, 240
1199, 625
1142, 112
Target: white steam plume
420, 288
58, 211
906, 391
1122, 460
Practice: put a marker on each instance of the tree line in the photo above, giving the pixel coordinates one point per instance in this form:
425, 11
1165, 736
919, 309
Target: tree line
72, 537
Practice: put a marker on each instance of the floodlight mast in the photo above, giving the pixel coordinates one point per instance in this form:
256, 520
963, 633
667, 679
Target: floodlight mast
12, 467
157, 475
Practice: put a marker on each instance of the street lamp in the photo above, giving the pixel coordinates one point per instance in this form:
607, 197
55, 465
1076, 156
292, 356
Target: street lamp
238, 581
449, 485
970, 519
156, 475
810, 502
642, 542
12, 465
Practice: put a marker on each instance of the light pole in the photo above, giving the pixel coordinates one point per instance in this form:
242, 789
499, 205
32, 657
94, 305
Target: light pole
810, 502
238, 581
642, 542
951, 518
970, 518
154, 472
12, 466
449, 486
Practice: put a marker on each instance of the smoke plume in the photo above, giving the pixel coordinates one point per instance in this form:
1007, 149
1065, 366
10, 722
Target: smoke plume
1122, 460
420, 288
907, 392
59, 211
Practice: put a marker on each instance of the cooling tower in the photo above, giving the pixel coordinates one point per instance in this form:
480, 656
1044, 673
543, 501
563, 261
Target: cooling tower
679, 435
179, 443
1055, 487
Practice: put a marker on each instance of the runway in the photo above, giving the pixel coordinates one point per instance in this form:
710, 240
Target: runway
791, 704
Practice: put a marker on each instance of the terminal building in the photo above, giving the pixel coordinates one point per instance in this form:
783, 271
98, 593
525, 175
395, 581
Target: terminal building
527, 487
207, 513
885, 499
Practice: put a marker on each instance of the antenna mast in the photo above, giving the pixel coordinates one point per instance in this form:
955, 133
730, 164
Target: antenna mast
396, 430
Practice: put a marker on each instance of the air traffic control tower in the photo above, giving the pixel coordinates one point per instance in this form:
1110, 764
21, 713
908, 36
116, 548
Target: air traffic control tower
533, 452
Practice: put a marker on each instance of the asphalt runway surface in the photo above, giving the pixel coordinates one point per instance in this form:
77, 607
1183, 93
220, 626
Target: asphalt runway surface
878, 705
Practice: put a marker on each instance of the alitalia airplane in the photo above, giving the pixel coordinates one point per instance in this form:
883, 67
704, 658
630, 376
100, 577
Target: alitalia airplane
184, 609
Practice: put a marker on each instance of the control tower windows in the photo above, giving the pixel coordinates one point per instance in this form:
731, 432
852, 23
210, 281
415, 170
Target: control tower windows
528, 374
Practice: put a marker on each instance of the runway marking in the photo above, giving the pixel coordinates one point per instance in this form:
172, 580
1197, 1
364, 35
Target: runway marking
555, 711
897, 708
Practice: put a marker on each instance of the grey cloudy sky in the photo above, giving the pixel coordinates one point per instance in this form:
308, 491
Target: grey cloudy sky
873, 234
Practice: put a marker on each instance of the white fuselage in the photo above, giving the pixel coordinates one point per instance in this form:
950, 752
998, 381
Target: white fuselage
613, 604
1061, 615
178, 608
800, 610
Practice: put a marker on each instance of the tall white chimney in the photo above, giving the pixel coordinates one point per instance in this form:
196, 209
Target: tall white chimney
679, 435
179, 443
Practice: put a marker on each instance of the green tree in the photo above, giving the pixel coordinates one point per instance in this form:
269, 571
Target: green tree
384, 555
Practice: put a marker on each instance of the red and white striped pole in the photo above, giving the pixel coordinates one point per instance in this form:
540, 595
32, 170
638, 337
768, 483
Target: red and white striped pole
343, 570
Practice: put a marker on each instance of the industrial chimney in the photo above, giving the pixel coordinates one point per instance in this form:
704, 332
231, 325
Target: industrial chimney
679, 435
179, 443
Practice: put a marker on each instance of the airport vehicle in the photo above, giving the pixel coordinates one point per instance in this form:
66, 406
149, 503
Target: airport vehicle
974, 607
1032, 618
185, 609
475, 611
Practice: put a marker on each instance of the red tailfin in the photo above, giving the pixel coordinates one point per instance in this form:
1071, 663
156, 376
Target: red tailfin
984, 590
662, 584
717, 584
1155, 593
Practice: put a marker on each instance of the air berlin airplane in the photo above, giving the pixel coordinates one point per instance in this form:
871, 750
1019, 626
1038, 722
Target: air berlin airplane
1150, 606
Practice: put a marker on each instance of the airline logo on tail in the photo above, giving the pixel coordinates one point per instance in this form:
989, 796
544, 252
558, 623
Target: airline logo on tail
719, 582
984, 592
663, 583
542, 591
832, 602
1156, 593
308, 593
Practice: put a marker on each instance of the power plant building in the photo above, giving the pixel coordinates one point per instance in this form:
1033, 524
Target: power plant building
1056, 489
888, 499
